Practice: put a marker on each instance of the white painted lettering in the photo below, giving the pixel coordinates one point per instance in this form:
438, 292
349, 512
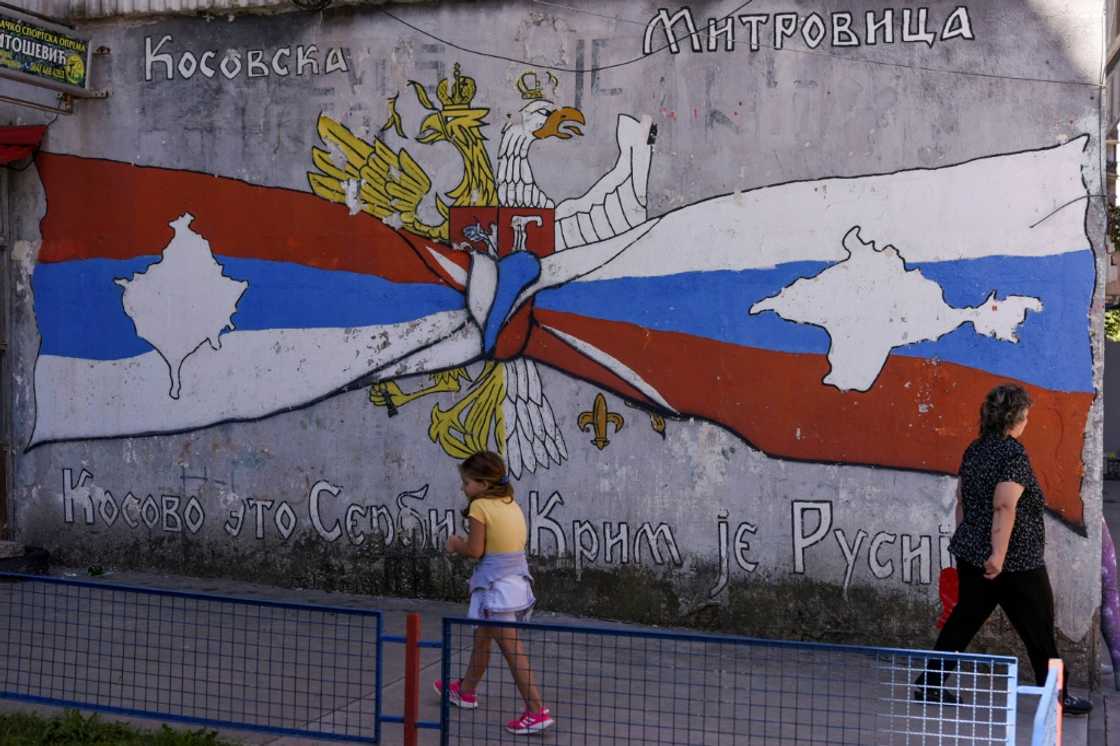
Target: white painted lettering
152, 56
307, 57
285, 520
317, 490
667, 23
149, 512
336, 61
753, 21
881, 570
850, 553
254, 62
584, 552
279, 69
742, 546
874, 26
187, 65
724, 28
76, 489
919, 34
132, 521
194, 515
919, 554
172, 523
540, 520
785, 26
258, 507
813, 31
842, 34
651, 535
619, 539
203, 63
958, 25
231, 65
801, 540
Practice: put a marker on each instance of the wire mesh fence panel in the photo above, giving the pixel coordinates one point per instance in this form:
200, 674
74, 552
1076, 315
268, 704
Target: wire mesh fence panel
638, 687
287, 668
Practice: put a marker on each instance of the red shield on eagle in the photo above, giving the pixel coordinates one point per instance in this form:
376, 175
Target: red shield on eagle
504, 230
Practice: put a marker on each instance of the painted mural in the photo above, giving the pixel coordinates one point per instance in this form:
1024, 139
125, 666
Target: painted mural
724, 284
831, 320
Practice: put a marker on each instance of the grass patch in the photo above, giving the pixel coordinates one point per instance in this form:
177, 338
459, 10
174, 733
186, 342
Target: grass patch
28, 729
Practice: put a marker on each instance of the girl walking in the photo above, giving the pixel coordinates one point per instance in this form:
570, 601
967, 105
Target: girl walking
500, 588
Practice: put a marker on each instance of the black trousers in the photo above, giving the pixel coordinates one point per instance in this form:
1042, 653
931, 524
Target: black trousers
1026, 598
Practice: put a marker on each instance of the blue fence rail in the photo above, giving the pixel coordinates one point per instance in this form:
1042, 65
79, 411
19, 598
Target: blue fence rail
219, 661
615, 685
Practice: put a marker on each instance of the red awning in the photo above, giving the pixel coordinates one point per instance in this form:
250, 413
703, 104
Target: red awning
17, 143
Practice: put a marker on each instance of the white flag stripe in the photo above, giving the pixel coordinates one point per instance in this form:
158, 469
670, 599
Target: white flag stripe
255, 373
1022, 204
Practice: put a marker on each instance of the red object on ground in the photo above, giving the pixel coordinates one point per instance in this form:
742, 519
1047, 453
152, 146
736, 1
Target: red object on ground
948, 585
411, 678
16, 143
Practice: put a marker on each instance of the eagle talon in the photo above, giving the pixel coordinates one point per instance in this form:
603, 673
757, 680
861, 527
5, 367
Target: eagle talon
388, 395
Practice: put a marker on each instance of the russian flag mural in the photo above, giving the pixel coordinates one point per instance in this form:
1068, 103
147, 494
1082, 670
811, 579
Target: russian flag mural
853, 320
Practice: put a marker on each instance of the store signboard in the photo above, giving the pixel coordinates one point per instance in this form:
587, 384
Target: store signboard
42, 53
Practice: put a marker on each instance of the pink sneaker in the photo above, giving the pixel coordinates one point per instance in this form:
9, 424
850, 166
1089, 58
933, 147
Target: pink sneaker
530, 722
456, 695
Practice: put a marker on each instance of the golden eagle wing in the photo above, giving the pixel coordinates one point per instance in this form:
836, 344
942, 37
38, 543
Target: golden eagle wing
390, 185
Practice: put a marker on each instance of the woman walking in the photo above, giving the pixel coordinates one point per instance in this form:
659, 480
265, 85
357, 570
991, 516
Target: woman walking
999, 545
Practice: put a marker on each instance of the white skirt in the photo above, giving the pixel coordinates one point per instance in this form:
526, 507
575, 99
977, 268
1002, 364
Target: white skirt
507, 599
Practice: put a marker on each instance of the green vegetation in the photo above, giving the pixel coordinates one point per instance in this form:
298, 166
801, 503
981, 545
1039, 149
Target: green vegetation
1112, 324
28, 729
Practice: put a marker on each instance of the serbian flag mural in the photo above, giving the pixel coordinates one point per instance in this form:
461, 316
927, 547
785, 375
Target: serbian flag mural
854, 320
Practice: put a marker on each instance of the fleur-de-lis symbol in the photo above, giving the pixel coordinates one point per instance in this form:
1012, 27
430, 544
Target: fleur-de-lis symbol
599, 417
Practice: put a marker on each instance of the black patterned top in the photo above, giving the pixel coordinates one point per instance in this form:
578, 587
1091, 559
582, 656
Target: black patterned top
987, 462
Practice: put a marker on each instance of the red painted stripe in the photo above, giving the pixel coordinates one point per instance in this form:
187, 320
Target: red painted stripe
920, 414
111, 210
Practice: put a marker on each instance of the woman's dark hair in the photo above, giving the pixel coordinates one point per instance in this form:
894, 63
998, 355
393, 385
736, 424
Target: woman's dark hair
487, 467
1004, 406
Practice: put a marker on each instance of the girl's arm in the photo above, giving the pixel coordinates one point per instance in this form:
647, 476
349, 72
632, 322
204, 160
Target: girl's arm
1003, 520
474, 546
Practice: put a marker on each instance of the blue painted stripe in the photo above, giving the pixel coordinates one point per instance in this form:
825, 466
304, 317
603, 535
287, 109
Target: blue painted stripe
80, 311
1053, 350
515, 273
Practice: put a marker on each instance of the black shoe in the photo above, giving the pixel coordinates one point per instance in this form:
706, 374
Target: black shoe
936, 695
1072, 705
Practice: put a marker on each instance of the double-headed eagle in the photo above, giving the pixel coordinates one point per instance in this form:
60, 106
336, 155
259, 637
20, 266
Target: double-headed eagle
506, 405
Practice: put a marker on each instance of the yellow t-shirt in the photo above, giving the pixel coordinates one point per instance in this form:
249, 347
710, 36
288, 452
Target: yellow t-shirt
505, 523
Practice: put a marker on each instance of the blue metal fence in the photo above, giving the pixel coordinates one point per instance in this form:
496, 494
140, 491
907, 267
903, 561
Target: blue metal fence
315, 671
284, 668
1047, 724
624, 686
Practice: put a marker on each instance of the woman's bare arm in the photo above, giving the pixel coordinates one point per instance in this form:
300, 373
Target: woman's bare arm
1004, 503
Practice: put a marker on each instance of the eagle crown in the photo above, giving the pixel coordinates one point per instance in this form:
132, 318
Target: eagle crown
530, 87
461, 92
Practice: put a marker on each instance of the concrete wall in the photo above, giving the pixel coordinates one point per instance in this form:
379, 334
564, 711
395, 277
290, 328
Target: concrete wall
250, 340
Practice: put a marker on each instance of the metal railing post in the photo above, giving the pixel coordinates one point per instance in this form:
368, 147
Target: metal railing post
411, 679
